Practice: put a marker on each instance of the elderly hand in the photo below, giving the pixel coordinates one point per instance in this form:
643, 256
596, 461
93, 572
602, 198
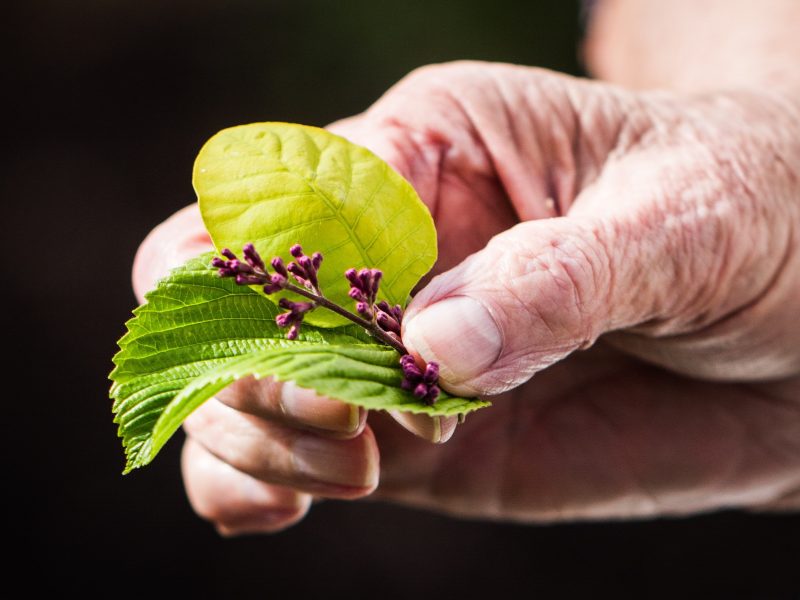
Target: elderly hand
657, 233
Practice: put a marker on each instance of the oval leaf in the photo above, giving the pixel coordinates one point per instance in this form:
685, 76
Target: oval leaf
277, 184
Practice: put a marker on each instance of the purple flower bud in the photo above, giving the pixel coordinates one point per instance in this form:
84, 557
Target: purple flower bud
240, 267
397, 313
305, 262
242, 279
226, 272
279, 267
431, 375
410, 368
285, 319
276, 283
296, 270
301, 308
316, 259
432, 395
387, 322
296, 251
352, 277
376, 274
286, 303
384, 306
364, 276
363, 309
253, 257
412, 372
226, 252
406, 359
292, 334
357, 294
271, 288
422, 386
218, 263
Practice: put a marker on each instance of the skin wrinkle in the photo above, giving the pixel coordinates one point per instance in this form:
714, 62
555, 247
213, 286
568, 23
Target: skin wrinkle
505, 103
562, 157
498, 168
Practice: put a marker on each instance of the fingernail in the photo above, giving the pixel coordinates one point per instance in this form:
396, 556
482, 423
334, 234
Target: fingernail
459, 334
434, 429
309, 408
267, 523
335, 462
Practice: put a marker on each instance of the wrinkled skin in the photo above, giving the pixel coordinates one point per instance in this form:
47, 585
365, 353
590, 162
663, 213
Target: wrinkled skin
639, 254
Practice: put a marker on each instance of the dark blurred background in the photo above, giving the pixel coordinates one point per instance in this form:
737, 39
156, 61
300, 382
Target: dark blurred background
109, 103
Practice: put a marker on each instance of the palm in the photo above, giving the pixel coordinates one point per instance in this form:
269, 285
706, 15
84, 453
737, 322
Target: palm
599, 435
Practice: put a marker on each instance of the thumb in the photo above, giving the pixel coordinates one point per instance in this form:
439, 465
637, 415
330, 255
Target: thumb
536, 293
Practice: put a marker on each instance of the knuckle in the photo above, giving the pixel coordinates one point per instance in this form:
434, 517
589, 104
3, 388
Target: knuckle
554, 284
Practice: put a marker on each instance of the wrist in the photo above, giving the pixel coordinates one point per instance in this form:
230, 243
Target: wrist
685, 47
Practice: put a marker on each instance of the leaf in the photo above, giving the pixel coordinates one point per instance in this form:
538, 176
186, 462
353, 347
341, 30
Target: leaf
366, 375
277, 184
197, 330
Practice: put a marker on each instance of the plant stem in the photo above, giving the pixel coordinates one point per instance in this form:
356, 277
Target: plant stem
371, 328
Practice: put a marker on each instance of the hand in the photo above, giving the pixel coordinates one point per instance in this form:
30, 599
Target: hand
661, 231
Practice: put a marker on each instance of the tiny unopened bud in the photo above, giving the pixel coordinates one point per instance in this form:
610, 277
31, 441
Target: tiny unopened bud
387, 322
365, 277
271, 288
296, 270
285, 319
397, 313
376, 275
277, 264
357, 294
421, 390
240, 267
432, 395
406, 359
218, 263
431, 375
316, 259
352, 277
243, 279
296, 251
364, 310
226, 252
311, 272
292, 333
253, 257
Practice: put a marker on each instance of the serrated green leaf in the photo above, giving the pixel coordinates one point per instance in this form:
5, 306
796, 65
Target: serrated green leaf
366, 375
197, 332
277, 184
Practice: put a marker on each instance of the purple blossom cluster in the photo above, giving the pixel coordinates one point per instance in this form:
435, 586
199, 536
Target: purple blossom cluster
423, 384
253, 271
364, 285
377, 317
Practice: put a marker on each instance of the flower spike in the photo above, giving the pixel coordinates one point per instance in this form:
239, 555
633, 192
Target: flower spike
300, 276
